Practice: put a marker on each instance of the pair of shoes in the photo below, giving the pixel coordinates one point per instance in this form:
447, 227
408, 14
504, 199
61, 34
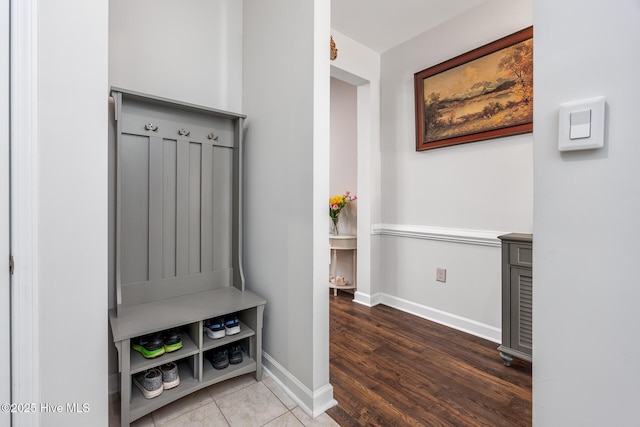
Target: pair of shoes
219, 327
338, 280
222, 356
158, 343
154, 381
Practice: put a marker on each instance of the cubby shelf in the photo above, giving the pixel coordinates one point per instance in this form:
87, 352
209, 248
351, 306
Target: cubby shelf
245, 332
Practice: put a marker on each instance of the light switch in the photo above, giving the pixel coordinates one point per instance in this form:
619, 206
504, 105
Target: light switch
581, 124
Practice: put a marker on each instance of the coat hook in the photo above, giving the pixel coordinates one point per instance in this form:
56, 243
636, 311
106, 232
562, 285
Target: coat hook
184, 132
151, 126
212, 136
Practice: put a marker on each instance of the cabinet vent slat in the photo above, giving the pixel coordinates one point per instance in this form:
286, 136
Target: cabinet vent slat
525, 303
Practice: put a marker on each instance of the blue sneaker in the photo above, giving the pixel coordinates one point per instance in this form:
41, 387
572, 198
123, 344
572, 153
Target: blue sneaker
232, 324
214, 328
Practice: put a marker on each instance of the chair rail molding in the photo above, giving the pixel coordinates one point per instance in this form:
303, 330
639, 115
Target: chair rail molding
441, 234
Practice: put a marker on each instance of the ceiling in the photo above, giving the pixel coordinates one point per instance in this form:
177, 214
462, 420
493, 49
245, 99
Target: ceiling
383, 24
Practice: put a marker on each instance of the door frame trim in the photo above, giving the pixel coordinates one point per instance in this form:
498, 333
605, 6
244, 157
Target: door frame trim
5, 233
25, 350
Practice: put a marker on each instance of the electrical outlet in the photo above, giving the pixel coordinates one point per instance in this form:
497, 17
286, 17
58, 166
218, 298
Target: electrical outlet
441, 275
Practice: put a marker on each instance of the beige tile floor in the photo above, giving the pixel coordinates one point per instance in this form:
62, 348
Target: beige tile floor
239, 402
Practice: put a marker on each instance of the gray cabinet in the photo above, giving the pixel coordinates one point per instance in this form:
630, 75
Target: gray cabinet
179, 243
517, 291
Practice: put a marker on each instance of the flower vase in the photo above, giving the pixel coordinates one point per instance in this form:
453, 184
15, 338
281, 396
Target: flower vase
334, 229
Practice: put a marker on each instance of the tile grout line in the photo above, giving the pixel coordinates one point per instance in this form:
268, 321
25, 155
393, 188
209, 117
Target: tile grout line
214, 401
221, 413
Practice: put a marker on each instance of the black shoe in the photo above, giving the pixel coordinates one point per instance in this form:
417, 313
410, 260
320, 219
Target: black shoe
219, 358
149, 345
235, 354
172, 340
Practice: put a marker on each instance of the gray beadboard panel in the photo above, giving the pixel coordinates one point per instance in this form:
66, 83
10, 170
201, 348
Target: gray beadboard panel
134, 199
169, 209
155, 207
206, 220
182, 209
169, 121
178, 199
195, 181
156, 290
222, 225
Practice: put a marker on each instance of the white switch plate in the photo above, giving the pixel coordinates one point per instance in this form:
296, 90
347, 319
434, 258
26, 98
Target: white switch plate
581, 137
441, 275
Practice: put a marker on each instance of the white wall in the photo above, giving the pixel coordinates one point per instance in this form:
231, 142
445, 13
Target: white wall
483, 186
286, 99
189, 50
586, 218
343, 170
72, 208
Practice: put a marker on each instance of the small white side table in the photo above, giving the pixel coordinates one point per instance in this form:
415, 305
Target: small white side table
342, 243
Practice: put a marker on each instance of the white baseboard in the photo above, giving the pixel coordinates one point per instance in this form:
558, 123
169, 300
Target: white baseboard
454, 321
366, 299
313, 403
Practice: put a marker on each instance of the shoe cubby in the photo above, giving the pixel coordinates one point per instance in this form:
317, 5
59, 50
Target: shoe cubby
178, 234
213, 375
189, 348
140, 406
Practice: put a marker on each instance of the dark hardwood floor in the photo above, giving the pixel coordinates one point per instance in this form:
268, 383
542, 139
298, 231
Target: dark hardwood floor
390, 368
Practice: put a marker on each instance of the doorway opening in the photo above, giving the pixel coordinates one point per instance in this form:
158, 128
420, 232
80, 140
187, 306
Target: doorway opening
343, 174
351, 157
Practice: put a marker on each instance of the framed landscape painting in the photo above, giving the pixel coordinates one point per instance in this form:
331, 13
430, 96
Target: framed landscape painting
482, 94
